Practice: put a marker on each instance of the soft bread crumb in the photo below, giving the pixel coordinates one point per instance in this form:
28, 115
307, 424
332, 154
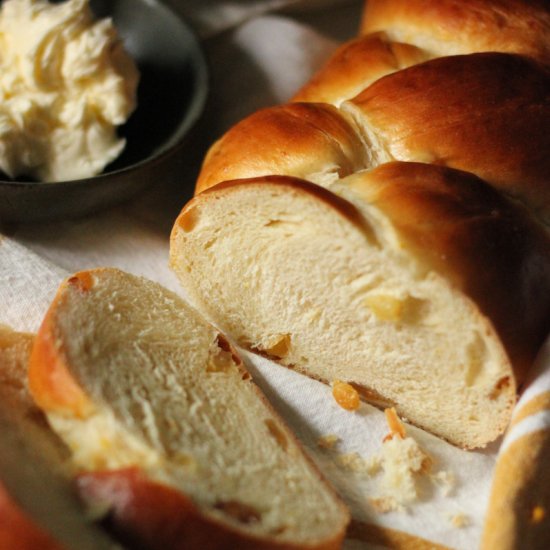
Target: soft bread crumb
356, 463
351, 461
328, 441
446, 481
363, 259
386, 504
402, 462
181, 412
374, 464
98, 442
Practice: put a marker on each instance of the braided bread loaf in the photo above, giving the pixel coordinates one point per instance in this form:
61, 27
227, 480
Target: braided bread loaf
387, 226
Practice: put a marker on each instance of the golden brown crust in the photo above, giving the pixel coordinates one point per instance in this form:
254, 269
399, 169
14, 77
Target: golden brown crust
50, 383
296, 139
519, 507
357, 64
457, 111
517, 26
159, 517
486, 245
488, 114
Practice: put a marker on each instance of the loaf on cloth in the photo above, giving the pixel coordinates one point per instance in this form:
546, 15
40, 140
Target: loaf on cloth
388, 227
167, 431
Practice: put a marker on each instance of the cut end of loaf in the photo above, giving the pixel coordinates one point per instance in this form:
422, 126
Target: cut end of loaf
174, 414
271, 257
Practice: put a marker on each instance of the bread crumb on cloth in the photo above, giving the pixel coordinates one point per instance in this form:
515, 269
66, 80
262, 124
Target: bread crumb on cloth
402, 464
446, 481
383, 505
356, 463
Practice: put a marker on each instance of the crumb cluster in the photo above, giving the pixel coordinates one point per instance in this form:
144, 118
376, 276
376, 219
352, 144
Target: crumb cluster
401, 465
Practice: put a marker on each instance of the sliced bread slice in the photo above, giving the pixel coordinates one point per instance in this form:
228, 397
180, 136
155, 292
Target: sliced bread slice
38, 507
422, 287
166, 427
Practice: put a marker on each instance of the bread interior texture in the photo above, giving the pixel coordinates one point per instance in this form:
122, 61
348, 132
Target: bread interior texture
331, 292
170, 397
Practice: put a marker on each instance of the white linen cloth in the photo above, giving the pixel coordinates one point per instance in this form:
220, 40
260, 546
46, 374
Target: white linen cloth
257, 58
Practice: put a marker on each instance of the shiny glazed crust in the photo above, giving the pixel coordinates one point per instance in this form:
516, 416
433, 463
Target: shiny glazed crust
357, 64
455, 26
296, 139
456, 111
462, 112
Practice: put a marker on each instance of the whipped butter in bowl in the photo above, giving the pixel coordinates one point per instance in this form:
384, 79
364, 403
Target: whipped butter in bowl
97, 102
66, 83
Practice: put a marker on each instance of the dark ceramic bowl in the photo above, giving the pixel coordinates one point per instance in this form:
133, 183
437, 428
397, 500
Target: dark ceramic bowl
171, 97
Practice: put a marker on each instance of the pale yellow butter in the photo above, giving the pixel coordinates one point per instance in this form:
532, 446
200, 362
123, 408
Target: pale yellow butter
65, 84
